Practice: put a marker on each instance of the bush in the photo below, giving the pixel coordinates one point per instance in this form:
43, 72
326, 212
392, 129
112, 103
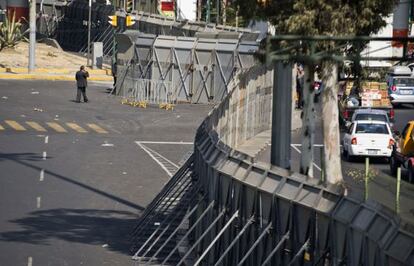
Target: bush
11, 32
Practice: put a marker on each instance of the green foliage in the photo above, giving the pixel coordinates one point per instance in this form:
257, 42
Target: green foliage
11, 32
321, 17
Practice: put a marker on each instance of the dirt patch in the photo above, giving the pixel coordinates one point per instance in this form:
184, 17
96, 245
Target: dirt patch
46, 57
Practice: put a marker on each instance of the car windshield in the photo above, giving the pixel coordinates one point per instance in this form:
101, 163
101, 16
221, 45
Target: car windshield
371, 128
404, 81
375, 117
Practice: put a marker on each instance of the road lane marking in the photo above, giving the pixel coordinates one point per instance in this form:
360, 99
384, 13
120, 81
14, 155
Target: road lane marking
1, 127
314, 164
97, 128
76, 127
42, 175
38, 202
15, 125
153, 154
46, 139
36, 126
166, 142
56, 127
30, 261
44, 155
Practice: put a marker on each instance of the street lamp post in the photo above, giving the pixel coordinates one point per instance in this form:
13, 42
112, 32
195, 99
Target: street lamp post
89, 33
32, 36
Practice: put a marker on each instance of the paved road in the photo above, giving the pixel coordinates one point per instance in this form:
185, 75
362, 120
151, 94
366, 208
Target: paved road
75, 177
382, 186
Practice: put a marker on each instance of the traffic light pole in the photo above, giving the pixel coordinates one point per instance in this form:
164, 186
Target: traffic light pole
281, 115
89, 33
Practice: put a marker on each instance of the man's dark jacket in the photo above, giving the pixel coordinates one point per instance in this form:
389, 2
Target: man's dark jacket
81, 78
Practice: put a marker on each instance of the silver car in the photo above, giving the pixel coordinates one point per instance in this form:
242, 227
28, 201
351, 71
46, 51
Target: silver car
401, 89
371, 115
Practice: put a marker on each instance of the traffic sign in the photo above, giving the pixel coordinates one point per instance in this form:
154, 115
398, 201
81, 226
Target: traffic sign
113, 20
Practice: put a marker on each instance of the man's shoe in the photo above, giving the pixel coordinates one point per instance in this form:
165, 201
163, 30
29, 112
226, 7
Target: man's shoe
86, 101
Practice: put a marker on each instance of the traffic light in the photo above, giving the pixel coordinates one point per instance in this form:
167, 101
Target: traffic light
113, 20
129, 6
129, 21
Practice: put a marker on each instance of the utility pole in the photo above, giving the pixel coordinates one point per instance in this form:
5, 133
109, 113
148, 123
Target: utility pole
89, 33
281, 114
32, 36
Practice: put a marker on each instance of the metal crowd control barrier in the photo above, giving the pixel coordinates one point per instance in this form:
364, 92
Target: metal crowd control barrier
141, 92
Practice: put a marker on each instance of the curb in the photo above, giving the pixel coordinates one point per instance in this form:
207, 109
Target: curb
50, 77
21, 70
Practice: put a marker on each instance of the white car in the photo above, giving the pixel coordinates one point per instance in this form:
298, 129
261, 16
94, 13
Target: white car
368, 138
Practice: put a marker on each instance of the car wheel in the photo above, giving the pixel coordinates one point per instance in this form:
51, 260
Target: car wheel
410, 173
393, 166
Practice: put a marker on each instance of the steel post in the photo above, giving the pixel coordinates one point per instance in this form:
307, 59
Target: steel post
281, 115
89, 33
32, 37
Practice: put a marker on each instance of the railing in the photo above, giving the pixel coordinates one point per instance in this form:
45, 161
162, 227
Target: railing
146, 91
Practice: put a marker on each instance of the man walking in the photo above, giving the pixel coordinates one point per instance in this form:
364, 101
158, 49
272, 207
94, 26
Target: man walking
82, 82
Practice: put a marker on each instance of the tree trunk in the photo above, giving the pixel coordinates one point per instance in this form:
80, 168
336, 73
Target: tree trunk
224, 11
308, 120
199, 6
330, 124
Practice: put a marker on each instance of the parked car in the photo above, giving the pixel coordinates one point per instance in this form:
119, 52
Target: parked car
368, 138
403, 151
371, 115
400, 83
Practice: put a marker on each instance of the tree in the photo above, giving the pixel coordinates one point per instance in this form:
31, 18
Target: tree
324, 17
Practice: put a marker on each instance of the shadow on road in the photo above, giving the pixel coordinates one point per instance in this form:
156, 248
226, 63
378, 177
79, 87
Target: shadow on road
87, 226
21, 158
28, 156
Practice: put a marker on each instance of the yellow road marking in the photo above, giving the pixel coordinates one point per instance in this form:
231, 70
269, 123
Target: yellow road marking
1, 127
56, 127
36, 126
97, 128
76, 127
15, 125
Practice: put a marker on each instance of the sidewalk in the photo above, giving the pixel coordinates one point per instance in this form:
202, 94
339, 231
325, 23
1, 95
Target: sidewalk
67, 74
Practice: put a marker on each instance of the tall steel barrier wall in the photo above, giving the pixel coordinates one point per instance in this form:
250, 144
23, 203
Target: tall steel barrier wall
193, 69
247, 110
161, 25
232, 211
282, 218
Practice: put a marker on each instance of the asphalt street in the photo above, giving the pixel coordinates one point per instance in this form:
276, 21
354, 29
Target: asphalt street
74, 178
382, 186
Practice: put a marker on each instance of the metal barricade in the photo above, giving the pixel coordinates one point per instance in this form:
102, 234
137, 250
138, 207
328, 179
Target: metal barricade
142, 92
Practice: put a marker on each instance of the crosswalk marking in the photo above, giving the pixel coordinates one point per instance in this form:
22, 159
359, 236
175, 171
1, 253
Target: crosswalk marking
76, 127
97, 128
60, 127
15, 125
36, 126
56, 127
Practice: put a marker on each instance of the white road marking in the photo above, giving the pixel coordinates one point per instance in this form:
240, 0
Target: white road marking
30, 261
151, 154
38, 201
44, 155
314, 164
46, 139
42, 175
165, 142
314, 145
